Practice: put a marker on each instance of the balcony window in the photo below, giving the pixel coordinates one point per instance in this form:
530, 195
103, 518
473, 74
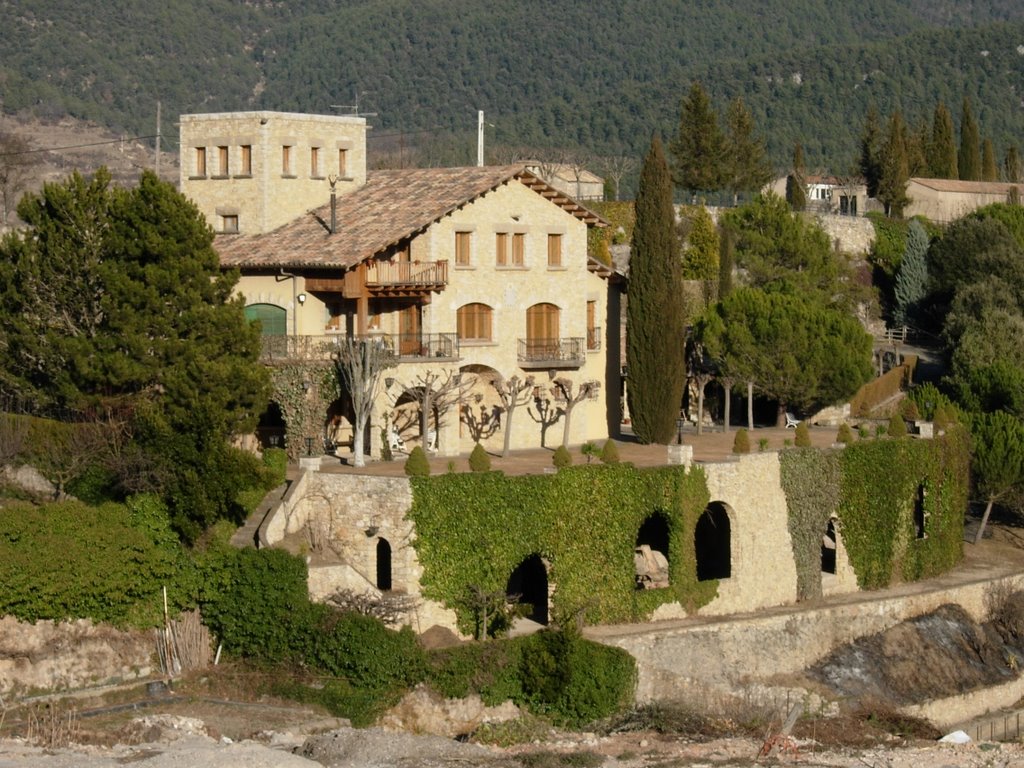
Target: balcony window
542, 327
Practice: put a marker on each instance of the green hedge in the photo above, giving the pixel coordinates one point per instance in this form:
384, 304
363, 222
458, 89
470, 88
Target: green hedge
473, 530
872, 487
107, 563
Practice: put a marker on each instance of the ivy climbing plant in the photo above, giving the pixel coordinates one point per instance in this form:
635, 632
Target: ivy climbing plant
474, 529
303, 391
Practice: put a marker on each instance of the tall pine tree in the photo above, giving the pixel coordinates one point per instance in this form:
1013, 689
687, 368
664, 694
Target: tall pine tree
989, 169
892, 187
942, 148
969, 158
912, 279
698, 150
656, 316
871, 151
746, 165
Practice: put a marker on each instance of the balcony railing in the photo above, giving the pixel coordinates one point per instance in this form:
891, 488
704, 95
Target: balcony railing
405, 347
551, 353
593, 339
407, 274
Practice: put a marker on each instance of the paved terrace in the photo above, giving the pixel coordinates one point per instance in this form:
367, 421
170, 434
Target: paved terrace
713, 445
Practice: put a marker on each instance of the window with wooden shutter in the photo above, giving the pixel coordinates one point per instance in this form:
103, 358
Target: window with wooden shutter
286, 160
200, 161
542, 329
314, 162
246, 169
474, 322
518, 249
501, 249
222, 161
462, 249
554, 250
343, 162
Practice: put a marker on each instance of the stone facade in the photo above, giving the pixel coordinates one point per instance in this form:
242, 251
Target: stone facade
278, 181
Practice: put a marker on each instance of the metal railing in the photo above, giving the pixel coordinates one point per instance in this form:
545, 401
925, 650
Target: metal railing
558, 352
406, 347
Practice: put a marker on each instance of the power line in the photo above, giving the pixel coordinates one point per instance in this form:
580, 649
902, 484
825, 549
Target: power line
76, 146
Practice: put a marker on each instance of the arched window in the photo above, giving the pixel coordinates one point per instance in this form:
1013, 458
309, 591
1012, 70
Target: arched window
474, 322
273, 319
383, 565
542, 329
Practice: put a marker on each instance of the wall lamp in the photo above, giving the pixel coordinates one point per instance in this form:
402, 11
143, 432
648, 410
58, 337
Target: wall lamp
301, 298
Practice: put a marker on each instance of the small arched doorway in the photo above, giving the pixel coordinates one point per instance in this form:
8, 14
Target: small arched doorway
919, 513
272, 428
712, 543
383, 565
650, 553
829, 546
529, 585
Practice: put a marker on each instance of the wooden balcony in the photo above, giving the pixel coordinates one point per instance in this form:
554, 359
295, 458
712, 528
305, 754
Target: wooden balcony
407, 348
552, 353
406, 278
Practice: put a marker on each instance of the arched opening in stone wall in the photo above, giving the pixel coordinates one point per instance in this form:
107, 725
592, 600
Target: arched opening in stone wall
405, 419
829, 546
271, 428
712, 543
383, 565
650, 553
338, 430
529, 585
919, 514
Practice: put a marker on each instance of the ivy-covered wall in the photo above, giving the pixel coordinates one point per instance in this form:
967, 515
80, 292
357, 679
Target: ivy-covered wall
877, 486
474, 529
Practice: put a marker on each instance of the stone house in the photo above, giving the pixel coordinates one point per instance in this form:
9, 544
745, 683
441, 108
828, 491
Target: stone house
470, 275
842, 195
573, 180
945, 200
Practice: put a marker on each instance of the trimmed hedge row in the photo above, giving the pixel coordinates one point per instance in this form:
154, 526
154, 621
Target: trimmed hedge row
880, 389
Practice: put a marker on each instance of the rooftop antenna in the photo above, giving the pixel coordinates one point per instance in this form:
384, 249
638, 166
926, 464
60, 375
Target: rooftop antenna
353, 109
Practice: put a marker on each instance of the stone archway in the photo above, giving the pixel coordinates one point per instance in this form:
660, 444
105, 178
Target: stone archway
529, 584
272, 429
712, 541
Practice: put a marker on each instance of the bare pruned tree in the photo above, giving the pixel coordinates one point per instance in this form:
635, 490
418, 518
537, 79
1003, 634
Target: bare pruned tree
513, 392
562, 389
438, 393
616, 167
389, 607
16, 162
359, 364
577, 163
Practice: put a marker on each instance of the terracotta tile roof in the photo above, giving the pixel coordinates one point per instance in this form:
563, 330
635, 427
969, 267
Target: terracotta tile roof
390, 207
971, 187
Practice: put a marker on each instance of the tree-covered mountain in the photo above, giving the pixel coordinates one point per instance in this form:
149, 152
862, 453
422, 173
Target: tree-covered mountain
600, 75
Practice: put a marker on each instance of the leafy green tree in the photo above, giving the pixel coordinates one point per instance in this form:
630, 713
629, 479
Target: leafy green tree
117, 296
700, 254
871, 151
995, 387
969, 157
778, 250
726, 260
798, 352
746, 162
892, 186
698, 149
654, 345
942, 147
997, 459
912, 278
989, 169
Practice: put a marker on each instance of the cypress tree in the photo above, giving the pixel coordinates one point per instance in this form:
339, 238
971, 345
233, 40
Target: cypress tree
969, 159
656, 317
698, 150
1011, 166
892, 187
796, 182
746, 164
989, 169
942, 148
870, 151
726, 260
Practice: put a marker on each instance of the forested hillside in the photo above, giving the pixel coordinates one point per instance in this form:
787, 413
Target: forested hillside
600, 75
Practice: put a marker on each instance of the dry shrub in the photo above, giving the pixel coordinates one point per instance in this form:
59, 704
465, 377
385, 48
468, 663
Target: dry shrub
1005, 610
52, 725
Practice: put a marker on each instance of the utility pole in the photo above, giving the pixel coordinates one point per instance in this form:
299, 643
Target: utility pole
480, 138
157, 164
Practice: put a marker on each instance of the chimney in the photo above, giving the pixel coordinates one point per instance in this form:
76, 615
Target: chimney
332, 180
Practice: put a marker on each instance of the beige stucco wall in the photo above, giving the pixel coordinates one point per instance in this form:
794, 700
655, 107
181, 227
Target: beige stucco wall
268, 197
943, 206
509, 291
